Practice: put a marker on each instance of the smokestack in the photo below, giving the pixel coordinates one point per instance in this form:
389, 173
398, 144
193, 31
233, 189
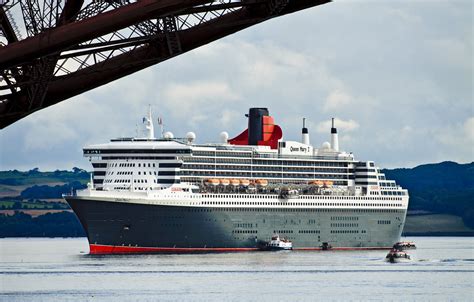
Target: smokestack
304, 133
334, 138
256, 124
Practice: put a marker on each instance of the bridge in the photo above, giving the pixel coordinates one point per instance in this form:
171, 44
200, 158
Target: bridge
52, 50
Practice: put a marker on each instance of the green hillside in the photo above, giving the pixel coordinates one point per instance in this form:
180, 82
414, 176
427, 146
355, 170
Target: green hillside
444, 188
34, 176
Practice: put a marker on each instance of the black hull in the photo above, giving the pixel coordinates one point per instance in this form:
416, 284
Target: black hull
119, 227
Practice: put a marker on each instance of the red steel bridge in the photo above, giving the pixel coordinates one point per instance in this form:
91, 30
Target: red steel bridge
52, 50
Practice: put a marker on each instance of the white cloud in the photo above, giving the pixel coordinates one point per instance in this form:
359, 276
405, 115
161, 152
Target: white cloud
198, 92
457, 136
228, 117
189, 98
468, 128
336, 100
398, 77
341, 125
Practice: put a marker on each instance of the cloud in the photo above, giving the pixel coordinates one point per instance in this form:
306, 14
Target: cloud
341, 125
397, 77
186, 99
228, 117
458, 136
203, 92
468, 128
336, 100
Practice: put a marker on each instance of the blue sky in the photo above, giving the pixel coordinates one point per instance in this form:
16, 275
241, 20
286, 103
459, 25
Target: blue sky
397, 75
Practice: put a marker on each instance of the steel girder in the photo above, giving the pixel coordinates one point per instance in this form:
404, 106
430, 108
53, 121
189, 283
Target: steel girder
72, 46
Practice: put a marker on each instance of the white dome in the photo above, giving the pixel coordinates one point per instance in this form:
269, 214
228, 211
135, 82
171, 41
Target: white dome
224, 137
326, 145
168, 135
190, 136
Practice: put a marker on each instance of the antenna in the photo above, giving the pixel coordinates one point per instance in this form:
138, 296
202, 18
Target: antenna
160, 122
304, 122
332, 122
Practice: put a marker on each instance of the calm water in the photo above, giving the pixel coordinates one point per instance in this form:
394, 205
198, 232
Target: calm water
60, 270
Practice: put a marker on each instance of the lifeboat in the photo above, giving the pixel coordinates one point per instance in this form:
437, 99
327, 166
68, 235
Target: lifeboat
212, 181
318, 183
261, 182
225, 182
235, 182
328, 183
245, 182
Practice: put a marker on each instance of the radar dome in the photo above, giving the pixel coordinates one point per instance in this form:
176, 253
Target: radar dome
168, 135
190, 137
224, 137
326, 145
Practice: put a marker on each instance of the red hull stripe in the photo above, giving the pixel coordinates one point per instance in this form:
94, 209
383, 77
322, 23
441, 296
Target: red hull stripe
98, 249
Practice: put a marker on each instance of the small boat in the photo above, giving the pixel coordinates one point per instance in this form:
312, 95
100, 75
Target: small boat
404, 245
326, 246
396, 256
278, 244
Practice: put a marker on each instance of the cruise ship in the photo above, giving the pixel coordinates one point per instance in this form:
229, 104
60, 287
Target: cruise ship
167, 194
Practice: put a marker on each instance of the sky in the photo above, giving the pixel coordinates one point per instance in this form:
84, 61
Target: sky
396, 75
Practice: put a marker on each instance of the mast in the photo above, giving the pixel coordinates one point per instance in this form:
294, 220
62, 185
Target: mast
149, 125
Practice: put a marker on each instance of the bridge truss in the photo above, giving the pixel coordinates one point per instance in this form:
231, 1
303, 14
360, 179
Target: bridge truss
52, 50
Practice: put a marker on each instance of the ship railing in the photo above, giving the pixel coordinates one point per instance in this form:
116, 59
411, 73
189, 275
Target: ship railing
303, 157
300, 192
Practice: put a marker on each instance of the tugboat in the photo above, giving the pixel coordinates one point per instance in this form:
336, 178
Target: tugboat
396, 256
277, 244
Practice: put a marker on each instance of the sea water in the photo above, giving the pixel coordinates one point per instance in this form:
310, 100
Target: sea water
43, 269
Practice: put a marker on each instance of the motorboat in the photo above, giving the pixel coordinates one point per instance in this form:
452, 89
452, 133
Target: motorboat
397, 256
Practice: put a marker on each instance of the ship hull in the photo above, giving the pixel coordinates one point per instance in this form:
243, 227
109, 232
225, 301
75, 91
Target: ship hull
123, 228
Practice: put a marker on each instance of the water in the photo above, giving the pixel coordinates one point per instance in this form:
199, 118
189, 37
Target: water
60, 270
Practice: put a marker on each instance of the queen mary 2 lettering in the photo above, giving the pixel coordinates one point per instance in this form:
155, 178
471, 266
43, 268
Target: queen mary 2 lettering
151, 195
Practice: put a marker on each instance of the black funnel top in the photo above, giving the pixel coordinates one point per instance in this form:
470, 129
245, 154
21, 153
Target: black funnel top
256, 124
333, 129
